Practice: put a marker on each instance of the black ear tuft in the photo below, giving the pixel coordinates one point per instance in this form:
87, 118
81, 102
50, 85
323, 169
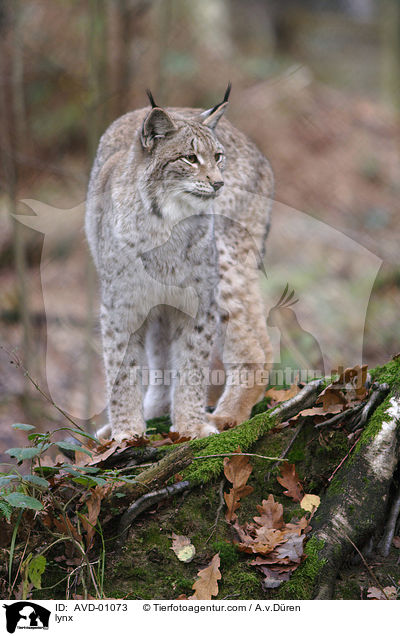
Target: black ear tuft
212, 116
227, 92
151, 98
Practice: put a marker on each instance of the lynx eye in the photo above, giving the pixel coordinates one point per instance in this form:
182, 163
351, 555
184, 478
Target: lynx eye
218, 156
191, 158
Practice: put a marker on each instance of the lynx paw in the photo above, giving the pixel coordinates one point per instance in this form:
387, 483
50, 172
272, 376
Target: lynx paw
223, 421
121, 434
203, 429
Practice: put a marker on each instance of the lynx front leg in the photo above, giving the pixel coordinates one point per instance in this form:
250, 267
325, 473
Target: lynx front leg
247, 352
123, 354
191, 356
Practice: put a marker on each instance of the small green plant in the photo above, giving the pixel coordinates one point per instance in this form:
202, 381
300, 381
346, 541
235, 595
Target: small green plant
64, 498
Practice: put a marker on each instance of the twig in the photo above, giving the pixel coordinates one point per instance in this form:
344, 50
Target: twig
19, 365
219, 509
375, 399
386, 541
303, 400
274, 459
340, 416
146, 502
366, 565
285, 452
342, 462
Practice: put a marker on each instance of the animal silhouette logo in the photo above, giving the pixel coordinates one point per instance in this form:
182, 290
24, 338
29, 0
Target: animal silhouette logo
26, 615
298, 348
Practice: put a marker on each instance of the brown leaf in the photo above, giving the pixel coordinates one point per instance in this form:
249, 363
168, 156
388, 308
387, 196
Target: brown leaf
273, 578
176, 438
267, 539
396, 542
269, 559
89, 523
232, 499
281, 395
333, 409
271, 514
237, 470
103, 452
297, 527
292, 549
206, 585
357, 376
183, 547
289, 479
64, 525
376, 594
331, 396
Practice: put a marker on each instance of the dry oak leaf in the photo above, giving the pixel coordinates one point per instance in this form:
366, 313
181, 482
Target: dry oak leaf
273, 578
206, 585
232, 499
267, 539
297, 527
183, 547
289, 479
281, 395
271, 514
310, 502
292, 548
355, 373
331, 396
237, 469
332, 409
379, 595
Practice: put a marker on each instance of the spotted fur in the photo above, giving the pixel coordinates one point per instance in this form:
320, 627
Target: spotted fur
176, 216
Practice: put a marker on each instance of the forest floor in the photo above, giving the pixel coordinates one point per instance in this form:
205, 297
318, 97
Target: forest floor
335, 159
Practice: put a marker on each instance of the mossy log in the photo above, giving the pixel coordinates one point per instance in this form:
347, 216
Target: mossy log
353, 504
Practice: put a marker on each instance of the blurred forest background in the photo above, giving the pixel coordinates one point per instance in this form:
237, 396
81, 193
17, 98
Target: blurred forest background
315, 84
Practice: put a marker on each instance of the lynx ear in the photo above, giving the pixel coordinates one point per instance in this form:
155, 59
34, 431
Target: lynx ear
212, 116
156, 125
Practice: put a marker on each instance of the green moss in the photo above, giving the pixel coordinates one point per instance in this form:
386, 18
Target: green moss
302, 582
336, 487
245, 435
227, 553
374, 425
348, 591
181, 585
390, 373
241, 579
297, 454
260, 407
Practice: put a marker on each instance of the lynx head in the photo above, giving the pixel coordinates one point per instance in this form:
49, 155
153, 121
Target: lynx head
184, 159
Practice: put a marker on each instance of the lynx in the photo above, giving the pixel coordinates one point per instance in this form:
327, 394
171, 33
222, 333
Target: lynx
177, 218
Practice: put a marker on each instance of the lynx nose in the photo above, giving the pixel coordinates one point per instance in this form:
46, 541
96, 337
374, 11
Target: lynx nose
217, 185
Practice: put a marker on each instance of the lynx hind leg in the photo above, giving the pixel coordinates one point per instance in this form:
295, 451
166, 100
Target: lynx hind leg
247, 352
157, 400
191, 357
